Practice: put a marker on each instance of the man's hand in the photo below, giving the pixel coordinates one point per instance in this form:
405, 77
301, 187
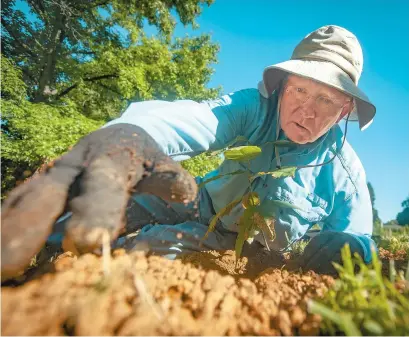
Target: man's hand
94, 181
325, 248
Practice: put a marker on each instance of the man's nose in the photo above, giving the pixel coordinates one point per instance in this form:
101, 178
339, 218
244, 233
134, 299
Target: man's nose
307, 108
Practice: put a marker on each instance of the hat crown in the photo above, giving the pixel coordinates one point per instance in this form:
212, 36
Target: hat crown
332, 44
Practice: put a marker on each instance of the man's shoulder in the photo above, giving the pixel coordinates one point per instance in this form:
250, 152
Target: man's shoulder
251, 94
249, 99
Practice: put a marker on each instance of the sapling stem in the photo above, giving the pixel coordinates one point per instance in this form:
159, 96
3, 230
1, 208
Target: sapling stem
106, 253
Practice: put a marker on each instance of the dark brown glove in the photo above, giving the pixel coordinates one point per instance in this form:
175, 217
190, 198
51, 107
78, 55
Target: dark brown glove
94, 181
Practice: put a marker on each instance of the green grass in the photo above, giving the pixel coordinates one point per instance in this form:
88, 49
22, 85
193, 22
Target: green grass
297, 249
395, 241
365, 303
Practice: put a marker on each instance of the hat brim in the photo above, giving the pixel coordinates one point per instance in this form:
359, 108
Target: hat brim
326, 73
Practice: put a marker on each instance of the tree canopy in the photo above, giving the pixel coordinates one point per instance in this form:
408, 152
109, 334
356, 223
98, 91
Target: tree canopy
377, 222
69, 66
403, 217
96, 55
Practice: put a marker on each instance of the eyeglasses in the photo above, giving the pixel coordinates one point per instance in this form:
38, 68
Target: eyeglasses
323, 104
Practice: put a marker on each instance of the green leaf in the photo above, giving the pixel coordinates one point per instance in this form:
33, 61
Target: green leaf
224, 211
220, 176
347, 259
244, 226
317, 308
349, 326
270, 207
373, 327
279, 173
251, 199
344, 321
234, 141
242, 153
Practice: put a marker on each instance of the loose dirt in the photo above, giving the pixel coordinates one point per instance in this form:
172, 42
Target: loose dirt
201, 294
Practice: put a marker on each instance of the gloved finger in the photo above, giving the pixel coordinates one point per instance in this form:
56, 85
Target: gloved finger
100, 205
313, 247
322, 261
326, 266
169, 181
320, 257
30, 211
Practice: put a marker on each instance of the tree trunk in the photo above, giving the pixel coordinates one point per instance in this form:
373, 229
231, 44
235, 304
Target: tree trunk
47, 76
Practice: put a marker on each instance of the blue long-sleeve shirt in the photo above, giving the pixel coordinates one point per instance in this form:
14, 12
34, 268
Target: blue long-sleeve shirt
334, 195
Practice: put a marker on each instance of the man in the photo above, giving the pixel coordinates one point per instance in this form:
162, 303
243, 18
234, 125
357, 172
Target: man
300, 100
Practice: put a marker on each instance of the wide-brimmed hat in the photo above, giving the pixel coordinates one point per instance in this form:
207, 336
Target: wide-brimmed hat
331, 55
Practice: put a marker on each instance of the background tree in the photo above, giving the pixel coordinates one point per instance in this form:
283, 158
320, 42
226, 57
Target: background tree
392, 222
96, 54
403, 217
33, 133
377, 222
72, 65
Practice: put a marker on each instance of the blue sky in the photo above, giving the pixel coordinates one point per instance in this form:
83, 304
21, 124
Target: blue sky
255, 34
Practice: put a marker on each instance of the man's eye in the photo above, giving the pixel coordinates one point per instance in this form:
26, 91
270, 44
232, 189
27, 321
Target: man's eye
298, 89
326, 101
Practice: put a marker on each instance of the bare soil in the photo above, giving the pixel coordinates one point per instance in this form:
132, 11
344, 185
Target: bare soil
201, 294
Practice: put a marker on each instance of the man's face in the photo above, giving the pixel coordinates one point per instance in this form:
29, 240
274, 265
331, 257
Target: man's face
309, 109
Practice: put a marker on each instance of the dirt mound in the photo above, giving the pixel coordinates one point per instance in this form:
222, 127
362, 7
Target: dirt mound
139, 295
400, 255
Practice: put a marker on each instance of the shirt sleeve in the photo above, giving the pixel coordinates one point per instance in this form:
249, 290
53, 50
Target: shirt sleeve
186, 128
352, 214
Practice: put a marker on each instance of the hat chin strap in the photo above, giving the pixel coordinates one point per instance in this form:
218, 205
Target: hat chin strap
262, 89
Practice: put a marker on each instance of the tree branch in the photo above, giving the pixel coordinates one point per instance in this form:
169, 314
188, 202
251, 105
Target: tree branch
110, 89
26, 48
102, 3
89, 79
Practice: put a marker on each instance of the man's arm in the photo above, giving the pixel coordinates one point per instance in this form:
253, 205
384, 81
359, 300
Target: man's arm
186, 128
352, 215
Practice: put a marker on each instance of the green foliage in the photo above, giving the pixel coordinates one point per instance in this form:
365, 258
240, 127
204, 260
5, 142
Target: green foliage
202, 164
149, 70
45, 132
395, 241
12, 86
298, 247
363, 304
403, 217
96, 56
33, 133
242, 153
279, 173
245, 224
70, 66
377, 222
36, 133
392, 222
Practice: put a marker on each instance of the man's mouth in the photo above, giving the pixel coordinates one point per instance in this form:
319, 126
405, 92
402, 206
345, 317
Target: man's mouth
300, 126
